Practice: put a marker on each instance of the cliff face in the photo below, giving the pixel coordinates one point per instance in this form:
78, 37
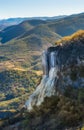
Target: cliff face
63, 67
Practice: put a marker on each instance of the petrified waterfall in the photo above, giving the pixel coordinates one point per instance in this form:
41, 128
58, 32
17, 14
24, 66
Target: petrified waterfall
58, 72
48, 61
52, 59
45, 64
47, 86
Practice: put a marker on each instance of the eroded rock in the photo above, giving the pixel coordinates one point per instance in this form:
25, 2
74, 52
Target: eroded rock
63, 66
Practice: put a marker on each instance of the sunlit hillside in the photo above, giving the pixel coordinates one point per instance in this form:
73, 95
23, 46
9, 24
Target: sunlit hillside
78, 36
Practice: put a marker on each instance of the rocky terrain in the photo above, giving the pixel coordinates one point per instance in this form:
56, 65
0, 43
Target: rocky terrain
58, 102
63, 67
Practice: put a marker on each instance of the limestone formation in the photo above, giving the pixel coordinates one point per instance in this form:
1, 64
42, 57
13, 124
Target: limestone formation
62, 67
45, 64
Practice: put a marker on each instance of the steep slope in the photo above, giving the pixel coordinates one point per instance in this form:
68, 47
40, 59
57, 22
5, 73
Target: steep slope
58, 101
68, 56
68, 25
12, 32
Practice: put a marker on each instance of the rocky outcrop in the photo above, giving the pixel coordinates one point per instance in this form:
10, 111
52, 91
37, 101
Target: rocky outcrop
63, 66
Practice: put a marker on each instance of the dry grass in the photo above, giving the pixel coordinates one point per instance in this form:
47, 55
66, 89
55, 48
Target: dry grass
78, 35
39, 72
6, 103
81, 128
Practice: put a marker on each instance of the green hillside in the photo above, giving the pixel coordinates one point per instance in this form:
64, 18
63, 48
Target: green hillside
43, 32
16, 30
13, 32
15, 83
24, 51
20, 66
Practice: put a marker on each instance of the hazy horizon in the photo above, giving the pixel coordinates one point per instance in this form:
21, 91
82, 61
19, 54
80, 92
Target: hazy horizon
38, 16
39, 8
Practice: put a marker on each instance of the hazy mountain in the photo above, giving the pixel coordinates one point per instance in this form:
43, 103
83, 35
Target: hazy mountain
9, 22
64, 26
26, 28
14, 21
16, 30
67, 25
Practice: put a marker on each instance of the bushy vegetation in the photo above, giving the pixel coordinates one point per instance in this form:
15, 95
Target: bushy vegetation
56, 113
15, 87
78, 36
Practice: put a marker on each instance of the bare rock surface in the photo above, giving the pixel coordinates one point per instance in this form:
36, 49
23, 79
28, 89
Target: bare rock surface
63, 66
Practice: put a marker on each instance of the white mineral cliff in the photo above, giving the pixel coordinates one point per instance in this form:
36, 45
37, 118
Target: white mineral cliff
57, 72
47, 86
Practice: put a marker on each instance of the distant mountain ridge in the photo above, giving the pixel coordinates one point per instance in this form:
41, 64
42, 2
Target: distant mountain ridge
9, 22
68, 25
14, 21
62, 26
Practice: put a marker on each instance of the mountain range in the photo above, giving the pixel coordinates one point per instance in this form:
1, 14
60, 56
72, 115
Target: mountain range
62, 26
14, 21
22, 44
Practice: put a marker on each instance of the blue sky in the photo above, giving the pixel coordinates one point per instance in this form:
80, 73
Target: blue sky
30, 8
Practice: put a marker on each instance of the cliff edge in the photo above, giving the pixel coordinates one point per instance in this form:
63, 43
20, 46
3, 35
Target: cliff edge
58, 101
63, 67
